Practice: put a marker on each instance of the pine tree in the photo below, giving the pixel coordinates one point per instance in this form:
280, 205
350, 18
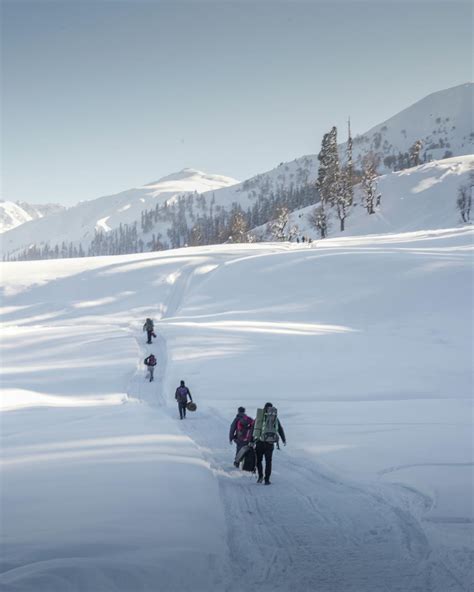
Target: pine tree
345, 192
328, 181
371, 198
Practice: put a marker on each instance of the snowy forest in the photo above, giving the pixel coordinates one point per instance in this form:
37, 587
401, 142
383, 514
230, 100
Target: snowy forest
194, 219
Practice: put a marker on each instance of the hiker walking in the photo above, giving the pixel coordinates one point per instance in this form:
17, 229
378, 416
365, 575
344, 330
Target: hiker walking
150, 363
240, 431
266, 432
150, 330
181, 395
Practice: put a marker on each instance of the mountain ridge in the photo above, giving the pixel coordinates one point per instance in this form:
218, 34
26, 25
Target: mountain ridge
442, 120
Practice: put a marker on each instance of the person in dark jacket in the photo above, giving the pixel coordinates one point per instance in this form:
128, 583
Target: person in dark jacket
240, 431
150, 363
150, 330
265, 449
181, 395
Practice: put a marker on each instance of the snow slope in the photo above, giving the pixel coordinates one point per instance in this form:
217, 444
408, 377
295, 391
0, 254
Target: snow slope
452, 107
419, 198
364, 344
13, 214
441, 119
77, 224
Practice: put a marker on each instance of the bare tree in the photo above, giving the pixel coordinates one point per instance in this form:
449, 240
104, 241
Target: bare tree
464, 202
319, 220
280, 228
415, 151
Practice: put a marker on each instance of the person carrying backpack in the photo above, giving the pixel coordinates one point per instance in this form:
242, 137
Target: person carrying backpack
240, 431
267, 430
181, 395
150, 329
150, 363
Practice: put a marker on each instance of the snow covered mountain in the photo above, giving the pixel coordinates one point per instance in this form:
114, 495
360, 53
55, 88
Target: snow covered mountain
79, 223
158, 218
13, 214
442, 121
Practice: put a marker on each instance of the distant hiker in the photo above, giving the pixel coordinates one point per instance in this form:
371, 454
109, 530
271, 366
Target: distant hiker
150, 363
303, 239
181, 395
266, 431
150, 330
240, 431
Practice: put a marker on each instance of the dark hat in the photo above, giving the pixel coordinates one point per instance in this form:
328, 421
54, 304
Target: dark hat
182, 383
241, 410
267, 405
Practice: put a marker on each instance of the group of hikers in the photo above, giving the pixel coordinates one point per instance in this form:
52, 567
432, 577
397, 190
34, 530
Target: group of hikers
255, 439
182, 392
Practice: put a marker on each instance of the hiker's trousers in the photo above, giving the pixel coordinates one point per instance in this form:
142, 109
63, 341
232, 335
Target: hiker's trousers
182, 409
264, 449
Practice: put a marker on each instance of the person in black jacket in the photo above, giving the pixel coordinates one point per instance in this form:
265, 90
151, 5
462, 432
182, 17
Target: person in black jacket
150, 330
265, 449
181, 395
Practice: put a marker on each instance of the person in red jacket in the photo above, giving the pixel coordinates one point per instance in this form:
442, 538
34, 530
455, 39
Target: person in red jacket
150, 363
240, 431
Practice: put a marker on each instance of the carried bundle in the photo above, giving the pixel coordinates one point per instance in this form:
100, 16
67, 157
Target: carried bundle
246, 458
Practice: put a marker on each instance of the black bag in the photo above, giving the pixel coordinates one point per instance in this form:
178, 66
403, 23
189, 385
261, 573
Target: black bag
250, 460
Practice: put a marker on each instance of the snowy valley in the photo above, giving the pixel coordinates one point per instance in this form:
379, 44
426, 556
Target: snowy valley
362, 343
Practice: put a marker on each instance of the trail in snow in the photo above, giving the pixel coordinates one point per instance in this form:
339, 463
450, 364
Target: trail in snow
311, 530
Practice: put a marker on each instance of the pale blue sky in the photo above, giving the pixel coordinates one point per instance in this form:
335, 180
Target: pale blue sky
102, 96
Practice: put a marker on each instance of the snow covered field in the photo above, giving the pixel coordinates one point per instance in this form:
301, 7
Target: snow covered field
365, 346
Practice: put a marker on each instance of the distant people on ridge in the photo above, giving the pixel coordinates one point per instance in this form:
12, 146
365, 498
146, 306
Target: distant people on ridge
181, 396
240, 431
150, 363
150, 329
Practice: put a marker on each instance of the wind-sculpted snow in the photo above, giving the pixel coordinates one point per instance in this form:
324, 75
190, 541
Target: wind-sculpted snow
362, 343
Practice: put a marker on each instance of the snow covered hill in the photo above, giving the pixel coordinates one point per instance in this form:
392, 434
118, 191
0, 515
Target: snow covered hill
442, 121
13, 214
420, 198
364, 345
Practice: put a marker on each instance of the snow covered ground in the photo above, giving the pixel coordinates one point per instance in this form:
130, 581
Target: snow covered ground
419, 198
365, 346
